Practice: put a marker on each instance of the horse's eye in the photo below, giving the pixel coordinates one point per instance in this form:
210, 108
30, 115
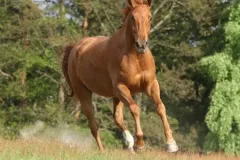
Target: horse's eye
133, 19
150, 18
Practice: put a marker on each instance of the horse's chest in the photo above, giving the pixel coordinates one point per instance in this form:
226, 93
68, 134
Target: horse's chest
137, 79
137, 72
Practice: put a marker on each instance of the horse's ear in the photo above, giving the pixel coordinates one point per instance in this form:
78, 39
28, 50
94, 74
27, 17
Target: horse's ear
131, 3
149, 3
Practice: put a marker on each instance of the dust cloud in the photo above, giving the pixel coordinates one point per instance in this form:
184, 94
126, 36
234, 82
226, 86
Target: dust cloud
63, 133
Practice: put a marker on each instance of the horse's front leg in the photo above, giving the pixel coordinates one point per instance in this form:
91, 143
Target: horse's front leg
124, 95
153, 91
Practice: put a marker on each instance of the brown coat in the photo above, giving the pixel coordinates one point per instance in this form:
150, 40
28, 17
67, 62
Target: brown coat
117, 66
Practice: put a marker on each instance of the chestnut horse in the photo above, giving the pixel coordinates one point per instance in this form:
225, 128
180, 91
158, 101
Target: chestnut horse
119, 67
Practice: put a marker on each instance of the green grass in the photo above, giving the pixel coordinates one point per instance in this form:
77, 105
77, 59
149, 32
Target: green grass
39, 149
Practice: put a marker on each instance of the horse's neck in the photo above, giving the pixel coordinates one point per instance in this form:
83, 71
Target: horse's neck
123, 38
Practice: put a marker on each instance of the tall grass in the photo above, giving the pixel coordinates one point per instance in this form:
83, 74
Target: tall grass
43, 149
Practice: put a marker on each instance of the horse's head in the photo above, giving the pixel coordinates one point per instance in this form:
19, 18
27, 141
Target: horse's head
140, 17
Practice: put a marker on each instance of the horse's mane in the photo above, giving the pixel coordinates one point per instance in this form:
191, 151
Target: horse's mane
126, 11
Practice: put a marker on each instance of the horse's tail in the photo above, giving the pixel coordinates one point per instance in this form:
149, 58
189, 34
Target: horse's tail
66, 53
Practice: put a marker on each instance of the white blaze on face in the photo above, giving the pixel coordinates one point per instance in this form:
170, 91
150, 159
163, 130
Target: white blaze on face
128, 139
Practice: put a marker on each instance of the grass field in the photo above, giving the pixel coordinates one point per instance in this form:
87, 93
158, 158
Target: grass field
39, 149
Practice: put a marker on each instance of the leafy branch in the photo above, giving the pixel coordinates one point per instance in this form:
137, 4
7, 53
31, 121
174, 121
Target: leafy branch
158, 25
6, 74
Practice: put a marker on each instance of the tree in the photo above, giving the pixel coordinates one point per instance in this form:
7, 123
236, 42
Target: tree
30, 73
222, 70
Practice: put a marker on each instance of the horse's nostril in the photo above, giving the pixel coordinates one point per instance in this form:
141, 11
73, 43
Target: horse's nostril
137, 44
146, 43
142, 45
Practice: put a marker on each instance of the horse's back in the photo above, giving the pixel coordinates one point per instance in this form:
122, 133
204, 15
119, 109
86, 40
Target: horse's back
89, 62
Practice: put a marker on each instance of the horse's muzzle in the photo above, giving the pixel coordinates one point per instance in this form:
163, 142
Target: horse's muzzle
141, 47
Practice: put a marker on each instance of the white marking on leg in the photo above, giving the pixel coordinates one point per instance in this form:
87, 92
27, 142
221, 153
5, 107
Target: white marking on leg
172, 146
128, 139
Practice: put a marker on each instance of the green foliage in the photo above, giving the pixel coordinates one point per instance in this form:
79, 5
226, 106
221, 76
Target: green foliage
216, 68
223, 118
30, 79
109, 140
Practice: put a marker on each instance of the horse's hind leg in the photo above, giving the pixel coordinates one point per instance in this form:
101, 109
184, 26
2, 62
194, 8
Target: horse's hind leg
85, 97
88, 110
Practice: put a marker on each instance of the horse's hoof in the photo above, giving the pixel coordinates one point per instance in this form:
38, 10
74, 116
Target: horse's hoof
172, 147
139, 147
131, 150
